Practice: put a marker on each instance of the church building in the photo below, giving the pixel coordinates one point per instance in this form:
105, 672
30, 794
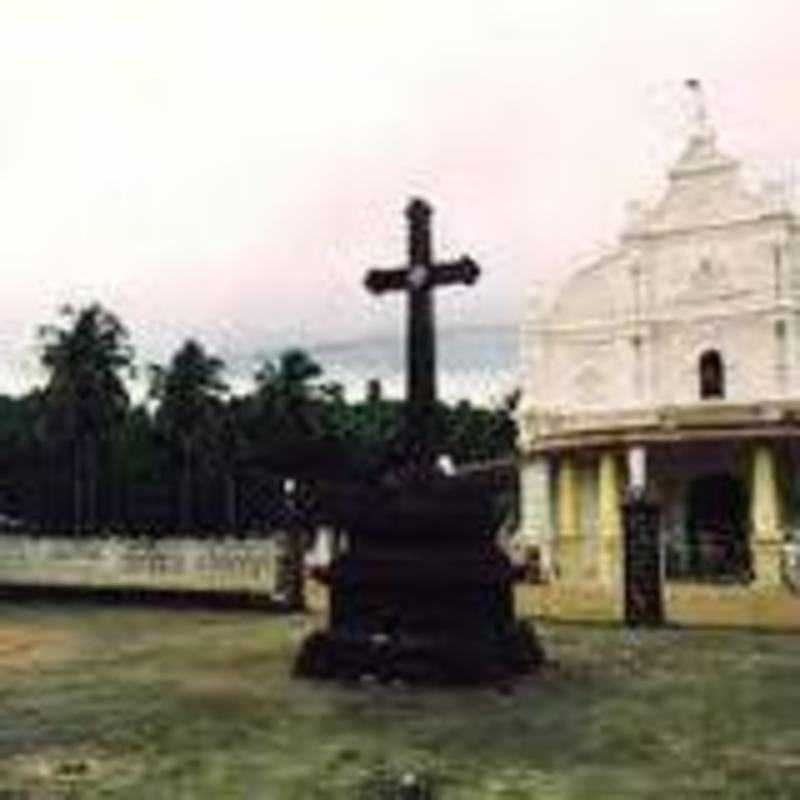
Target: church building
672, 360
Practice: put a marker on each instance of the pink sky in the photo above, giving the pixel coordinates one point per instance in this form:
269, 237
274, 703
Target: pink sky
231, 169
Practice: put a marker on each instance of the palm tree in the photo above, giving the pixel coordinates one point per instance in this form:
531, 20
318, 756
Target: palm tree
229, 447
23, 493
190, 394
288, 405
285, 393
85, 396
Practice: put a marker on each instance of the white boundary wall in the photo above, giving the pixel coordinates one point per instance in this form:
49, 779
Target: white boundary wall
228, 563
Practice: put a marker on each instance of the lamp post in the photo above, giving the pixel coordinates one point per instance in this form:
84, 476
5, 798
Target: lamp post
289, 559
644, 575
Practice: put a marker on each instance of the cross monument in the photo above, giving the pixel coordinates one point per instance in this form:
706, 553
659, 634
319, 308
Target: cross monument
419, 279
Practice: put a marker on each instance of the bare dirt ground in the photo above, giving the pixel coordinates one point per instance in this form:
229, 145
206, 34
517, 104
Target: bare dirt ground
25, 645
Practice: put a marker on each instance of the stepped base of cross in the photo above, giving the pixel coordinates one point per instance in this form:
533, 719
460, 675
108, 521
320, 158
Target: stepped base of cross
423, 594
443, 660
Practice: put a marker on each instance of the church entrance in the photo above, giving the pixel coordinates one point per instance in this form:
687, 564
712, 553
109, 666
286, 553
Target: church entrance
716, 528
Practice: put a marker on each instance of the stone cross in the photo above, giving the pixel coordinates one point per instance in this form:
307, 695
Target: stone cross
419, 279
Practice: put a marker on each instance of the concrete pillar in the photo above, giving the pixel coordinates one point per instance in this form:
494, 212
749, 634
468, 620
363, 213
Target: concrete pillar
587, 507
609, 519
322, 552
536, 523
637, 470
289, 568
568, 536
765, 518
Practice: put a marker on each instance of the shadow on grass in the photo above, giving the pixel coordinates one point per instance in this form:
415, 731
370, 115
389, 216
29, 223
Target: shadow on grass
196, 599
668, 625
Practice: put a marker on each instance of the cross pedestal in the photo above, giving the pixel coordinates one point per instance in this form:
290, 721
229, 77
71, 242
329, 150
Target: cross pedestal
423, 592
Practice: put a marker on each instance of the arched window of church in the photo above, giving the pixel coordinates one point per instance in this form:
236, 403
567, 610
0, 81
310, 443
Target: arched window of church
712, 375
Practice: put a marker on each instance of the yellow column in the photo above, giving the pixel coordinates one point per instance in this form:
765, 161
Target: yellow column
765, 522
568, 519
609, 520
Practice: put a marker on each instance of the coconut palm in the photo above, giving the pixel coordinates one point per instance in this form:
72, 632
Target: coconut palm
230, 446
190, 395
287, 403
22, 491
85, 397
286, 394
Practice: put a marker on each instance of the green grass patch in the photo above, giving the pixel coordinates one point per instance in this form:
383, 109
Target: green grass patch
132, 703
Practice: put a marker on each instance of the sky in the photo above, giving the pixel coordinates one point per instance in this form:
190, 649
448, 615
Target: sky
230, 170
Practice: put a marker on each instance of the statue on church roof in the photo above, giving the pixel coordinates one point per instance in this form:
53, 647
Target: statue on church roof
701, 128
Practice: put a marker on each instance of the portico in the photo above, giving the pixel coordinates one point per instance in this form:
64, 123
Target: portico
727, 516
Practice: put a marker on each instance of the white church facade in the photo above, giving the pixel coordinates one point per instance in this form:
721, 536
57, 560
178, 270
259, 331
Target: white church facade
680, 347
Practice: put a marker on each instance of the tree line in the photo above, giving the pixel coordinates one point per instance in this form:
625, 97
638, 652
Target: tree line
78, 456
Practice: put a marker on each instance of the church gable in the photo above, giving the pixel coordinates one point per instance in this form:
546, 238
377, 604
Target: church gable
596, 294
705, 190
706, 279
583, 371
709, 279
720, 271
588, 295
712, 270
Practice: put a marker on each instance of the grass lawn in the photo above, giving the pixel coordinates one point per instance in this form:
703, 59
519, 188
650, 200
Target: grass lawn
149, 703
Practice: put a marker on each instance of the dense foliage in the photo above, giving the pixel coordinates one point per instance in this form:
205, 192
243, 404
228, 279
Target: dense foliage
78, 456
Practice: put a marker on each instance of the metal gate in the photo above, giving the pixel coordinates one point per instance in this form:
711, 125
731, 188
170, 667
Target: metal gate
644, 576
